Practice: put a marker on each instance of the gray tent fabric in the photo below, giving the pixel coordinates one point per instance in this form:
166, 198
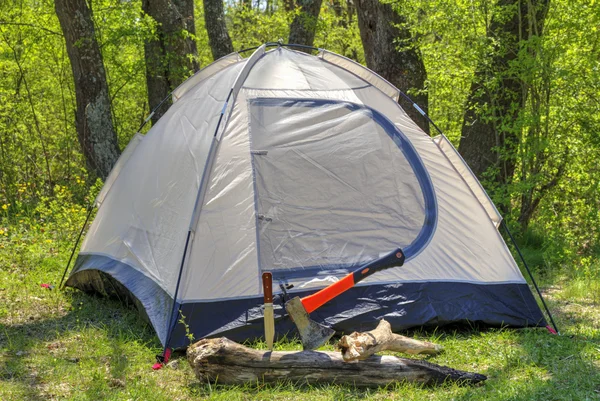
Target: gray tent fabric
305, 166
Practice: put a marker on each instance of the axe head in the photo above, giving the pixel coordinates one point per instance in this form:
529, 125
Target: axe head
312, 334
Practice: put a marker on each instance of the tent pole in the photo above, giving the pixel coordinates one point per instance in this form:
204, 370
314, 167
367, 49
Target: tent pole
87, 218
199, 197
277, 44
530, 275
170, 327
420, 110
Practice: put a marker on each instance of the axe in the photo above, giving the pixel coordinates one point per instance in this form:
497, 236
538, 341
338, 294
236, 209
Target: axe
313, 334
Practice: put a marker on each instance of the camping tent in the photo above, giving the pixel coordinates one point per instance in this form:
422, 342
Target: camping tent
305, 166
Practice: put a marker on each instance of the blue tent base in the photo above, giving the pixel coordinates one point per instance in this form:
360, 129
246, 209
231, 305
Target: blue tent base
99, 273
403, 305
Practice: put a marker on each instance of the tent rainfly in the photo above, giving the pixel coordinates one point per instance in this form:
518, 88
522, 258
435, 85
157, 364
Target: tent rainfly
305, 166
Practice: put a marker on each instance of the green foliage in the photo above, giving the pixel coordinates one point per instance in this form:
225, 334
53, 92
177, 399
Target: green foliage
188, 334
74, 346
338, 32
570, 213
38, 142
121, 29
43, 177
204, 53
451, 37
250, 27
70, 345
557, 128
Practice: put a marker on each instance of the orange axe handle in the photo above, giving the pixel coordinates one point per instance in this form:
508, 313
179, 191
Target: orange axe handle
316, 300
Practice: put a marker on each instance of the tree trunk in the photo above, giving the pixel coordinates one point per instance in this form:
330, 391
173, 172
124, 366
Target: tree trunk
337, 8
171, 56
226, 362
390, 52
289, 5
304, 25
491, 130
218, 37
93, 119
351, 11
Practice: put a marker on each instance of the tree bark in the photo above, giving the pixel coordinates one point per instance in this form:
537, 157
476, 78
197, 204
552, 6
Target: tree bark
360, 346
171, 56
226, 362
490, 132
93, 118
218, 37
351, 11
390, 51
289, 5
304, 25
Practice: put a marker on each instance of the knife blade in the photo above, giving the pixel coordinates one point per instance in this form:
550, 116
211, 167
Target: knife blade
269, 319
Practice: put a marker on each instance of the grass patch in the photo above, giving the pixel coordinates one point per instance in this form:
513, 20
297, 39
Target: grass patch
68, 345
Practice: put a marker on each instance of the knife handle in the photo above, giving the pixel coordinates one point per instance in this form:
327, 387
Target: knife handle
316, 300
267, 279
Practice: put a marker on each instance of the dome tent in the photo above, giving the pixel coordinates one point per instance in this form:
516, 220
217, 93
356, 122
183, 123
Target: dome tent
305, 166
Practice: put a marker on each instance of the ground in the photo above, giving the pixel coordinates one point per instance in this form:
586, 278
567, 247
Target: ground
69, 345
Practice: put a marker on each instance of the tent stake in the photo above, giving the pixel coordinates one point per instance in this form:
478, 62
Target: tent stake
530, 275
87, 218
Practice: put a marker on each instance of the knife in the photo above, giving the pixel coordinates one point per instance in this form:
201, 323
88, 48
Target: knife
267, 279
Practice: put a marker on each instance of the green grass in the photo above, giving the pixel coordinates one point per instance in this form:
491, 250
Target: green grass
69, 345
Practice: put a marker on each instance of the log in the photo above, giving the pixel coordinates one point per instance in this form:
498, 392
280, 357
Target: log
223, 361
359, 346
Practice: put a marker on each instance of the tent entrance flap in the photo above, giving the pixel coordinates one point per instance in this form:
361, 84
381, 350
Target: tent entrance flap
335, 187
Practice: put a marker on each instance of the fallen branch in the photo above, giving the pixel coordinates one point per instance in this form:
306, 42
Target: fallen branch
226, 362
359, 346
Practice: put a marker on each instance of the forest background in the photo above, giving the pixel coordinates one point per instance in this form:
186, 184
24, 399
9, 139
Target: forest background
514, 84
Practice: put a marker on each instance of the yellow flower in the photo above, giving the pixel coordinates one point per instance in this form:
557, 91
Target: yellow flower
1, 232
49, 241
5, 206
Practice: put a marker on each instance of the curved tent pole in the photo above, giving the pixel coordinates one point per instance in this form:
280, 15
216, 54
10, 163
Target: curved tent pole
503, 223
277, 44
231, 97
421, 111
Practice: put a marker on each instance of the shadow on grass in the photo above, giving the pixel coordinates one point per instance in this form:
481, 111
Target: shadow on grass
285, 388
37, 345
